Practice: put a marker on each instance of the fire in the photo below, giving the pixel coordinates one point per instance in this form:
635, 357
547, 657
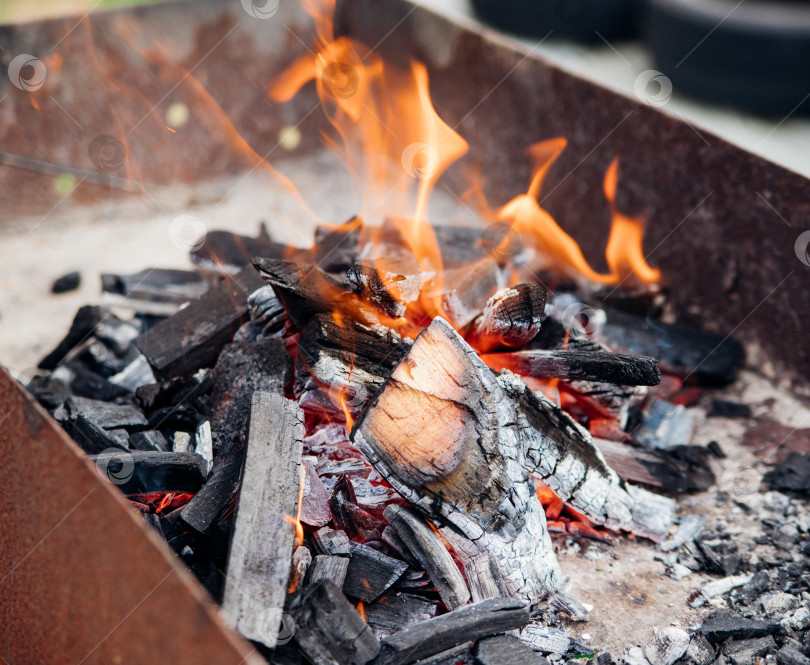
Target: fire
623, 253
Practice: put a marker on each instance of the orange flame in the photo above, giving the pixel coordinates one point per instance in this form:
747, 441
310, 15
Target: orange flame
623, 252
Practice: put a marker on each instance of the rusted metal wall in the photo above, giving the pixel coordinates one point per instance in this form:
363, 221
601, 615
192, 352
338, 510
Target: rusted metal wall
82, 577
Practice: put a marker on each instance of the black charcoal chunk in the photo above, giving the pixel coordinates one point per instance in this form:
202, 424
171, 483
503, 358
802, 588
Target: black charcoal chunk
84, 323
506, 650
164, 285
370, 572
720, 628
715, 449
793, 474
68, 282
721, 408
746, 652
460, 655
149, 440
92, 438
393, 612
790, 655
209, 503
106, 414
329, 630
144, 471
699, 651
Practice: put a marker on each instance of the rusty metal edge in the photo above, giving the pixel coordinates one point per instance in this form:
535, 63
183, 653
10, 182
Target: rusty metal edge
83, 579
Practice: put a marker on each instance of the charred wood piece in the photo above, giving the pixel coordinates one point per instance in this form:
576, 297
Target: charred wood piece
266, 312
150, 440
144, 471
506, 650
464, 291
427, 548
704, 357
484, 578
347, 362
204, 509
156, 291
602, 366
511, 318
195, 335
306, 290
223, 250
330, 541
263, 539
83, 325
336, 248
329, 630
460, 655
350, 517
329, 567
390, 283
471, 622
371, 573
393, 612
315, 499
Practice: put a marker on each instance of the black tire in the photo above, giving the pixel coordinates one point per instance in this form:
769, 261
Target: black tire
755, 56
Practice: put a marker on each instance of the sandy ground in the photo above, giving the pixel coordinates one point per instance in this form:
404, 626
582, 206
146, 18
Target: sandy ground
631, 595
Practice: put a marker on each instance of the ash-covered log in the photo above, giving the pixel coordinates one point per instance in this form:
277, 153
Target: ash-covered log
511, 318
578, 365
194, 337
455, 441
472, 622
442, 432
329, 567
427, 548
263, 538
329, 630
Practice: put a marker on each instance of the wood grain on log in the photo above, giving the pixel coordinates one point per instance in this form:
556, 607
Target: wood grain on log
263, 539
428, 549
329, 567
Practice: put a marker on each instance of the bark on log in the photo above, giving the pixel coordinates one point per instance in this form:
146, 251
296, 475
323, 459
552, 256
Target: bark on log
263, 539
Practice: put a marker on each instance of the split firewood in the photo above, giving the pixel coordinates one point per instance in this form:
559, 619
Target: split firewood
329, 630
455, 441
511, 318
263, 538
427, 548
329, 567
443, 434
371, 572
619, 368
563, 455
471, 622
483, 577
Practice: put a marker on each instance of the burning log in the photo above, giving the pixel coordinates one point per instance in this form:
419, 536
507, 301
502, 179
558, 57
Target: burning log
601, 366
329, 630
263, 539
442, 433
370, 573
194, 337
472, 622
427, 548
446, 435
306, 290
511, 318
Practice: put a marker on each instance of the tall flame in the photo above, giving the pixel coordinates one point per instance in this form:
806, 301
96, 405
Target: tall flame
623, 252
